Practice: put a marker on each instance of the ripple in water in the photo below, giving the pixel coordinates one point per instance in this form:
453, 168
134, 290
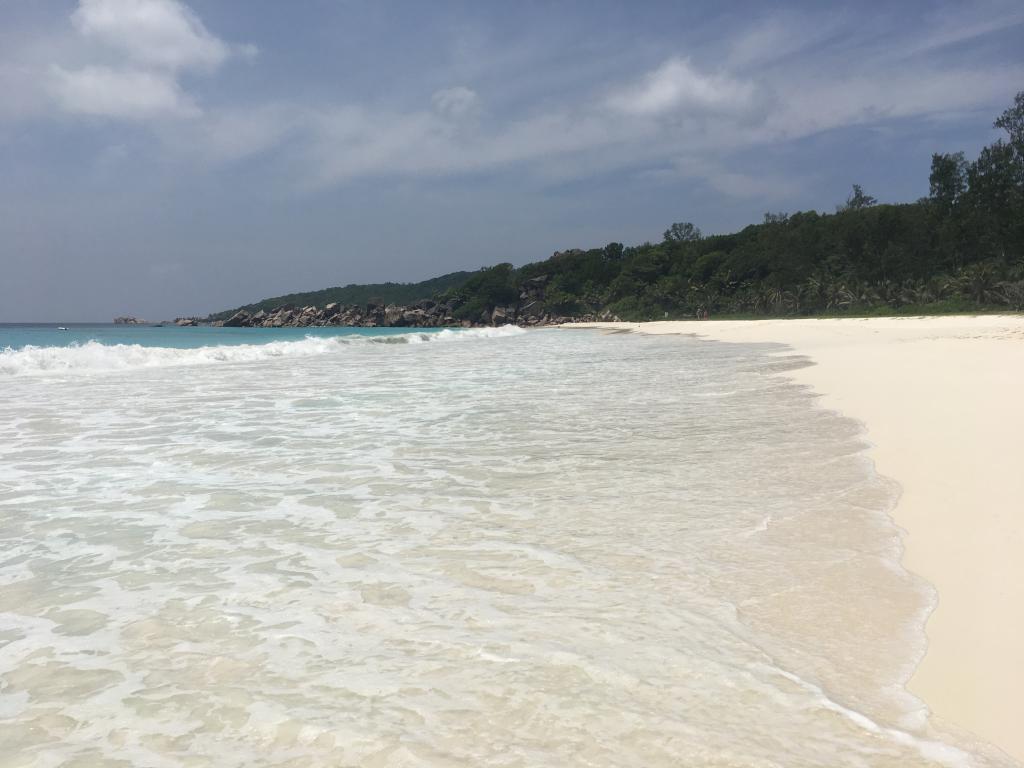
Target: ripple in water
557, 548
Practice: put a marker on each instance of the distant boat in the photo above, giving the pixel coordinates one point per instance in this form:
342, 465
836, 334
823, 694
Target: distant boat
61, 328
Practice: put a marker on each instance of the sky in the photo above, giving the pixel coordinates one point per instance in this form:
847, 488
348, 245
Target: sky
164, 158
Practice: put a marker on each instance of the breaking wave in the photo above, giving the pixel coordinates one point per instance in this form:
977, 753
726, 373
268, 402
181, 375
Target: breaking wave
93, 356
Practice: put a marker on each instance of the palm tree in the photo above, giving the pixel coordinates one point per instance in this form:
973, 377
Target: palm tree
979, 281
1013, 293
889, 293
939, 287
916, 292
815, 292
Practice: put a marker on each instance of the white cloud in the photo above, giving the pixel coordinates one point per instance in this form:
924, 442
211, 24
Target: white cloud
770, 189
676, 85
128, 94
776, 38
712, 117
339, 144
346, 142
817, 103
126, 59
157, 33
228, 135
135, 50
709, 117
456, 103
953, 26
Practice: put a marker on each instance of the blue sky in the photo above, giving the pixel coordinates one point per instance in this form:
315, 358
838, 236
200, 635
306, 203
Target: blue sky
164, 158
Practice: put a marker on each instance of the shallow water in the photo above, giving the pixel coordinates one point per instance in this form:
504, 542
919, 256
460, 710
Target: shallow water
491, 548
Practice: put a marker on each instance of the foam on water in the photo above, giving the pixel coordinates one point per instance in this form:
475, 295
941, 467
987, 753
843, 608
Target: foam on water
95, 356
549, 548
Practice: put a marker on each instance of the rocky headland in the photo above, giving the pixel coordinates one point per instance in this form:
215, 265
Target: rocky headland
530, 310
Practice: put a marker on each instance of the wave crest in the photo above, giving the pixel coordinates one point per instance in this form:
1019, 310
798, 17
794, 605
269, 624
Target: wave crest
94, 356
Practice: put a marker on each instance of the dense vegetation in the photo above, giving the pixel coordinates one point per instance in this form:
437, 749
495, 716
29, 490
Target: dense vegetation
959, 249
388, 293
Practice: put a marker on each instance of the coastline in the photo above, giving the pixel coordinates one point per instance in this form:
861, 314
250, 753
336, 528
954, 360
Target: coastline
942, 403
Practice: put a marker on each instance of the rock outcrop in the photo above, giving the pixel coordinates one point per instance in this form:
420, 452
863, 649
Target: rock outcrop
529, 310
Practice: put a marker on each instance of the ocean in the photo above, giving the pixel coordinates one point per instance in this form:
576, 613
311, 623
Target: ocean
485, 547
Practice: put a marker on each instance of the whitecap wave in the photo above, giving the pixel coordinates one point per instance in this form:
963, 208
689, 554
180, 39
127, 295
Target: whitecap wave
92, 356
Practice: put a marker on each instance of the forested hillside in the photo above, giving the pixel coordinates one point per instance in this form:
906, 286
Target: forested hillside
959, 249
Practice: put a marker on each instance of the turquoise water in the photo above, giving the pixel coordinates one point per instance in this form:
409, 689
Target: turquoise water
19, 335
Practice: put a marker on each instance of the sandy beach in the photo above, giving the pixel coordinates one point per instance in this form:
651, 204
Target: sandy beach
942, 403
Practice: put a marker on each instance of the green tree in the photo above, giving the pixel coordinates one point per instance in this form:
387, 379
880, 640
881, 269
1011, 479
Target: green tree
996, 201
948, 179
1012, 121
858, 200
614, 252
682, 232
486, 289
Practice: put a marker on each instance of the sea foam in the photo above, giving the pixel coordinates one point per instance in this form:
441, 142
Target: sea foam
97, 357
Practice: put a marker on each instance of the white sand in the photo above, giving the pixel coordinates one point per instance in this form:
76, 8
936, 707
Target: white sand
943, 401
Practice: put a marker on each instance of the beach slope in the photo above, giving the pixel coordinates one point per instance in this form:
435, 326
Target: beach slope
942, 399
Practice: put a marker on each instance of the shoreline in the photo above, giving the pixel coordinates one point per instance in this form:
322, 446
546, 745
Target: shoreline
943, 408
